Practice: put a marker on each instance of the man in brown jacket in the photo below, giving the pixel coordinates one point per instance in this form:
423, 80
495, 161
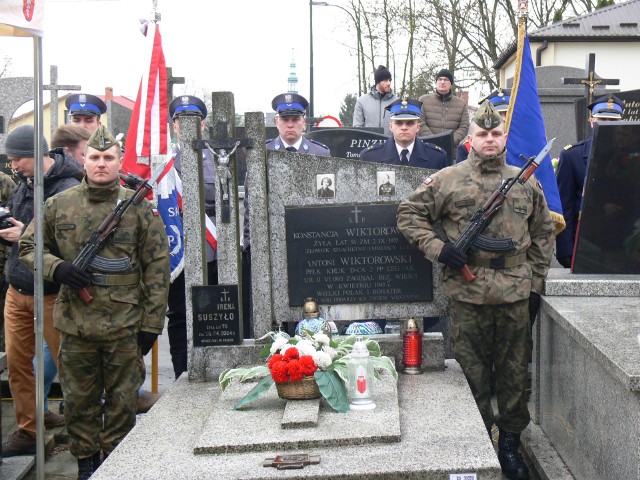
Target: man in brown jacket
442, 111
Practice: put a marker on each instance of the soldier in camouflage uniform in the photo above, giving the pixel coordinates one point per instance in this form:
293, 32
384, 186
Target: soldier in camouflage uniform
102, 342
490, 315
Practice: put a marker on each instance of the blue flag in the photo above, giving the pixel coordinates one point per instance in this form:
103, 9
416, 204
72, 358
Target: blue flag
526, 130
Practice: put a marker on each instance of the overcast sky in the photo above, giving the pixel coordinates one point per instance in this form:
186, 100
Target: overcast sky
242, 46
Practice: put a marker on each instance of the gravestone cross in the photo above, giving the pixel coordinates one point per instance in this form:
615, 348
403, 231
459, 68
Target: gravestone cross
171, 81
54, 87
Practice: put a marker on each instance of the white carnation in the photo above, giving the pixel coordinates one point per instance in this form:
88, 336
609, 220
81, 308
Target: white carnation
285, 347
277, 344
321, 338
305, 347
322, 359
330, 351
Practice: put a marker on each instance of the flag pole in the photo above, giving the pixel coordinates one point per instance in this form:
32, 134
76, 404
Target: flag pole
38, 200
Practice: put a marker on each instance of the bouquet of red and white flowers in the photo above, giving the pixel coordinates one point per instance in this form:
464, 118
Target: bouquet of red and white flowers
305, 355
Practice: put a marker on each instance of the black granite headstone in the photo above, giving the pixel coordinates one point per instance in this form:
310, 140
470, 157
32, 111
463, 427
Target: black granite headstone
346, 142
608, 237
349, 254
631, 105
216, 316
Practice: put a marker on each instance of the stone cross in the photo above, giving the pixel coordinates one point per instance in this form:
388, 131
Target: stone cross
54, 87
590, 82
171, 81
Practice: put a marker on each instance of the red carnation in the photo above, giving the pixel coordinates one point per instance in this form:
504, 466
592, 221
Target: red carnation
307, 365
279, 372
276, 358
294, 370
291, 354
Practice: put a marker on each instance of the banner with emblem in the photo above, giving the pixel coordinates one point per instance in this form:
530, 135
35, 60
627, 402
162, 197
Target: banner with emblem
525, 126
22, 18
148, 138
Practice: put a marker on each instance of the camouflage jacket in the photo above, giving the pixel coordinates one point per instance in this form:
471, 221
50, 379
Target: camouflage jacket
453, 195
125, 302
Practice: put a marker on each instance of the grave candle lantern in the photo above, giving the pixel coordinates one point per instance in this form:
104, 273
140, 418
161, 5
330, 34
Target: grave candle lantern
360, 377
412, 348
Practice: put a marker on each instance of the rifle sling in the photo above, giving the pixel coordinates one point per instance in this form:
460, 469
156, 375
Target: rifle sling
497, 263
114, 279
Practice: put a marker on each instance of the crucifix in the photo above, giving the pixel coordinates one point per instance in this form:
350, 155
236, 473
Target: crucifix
590, 82
54, 87
225, 168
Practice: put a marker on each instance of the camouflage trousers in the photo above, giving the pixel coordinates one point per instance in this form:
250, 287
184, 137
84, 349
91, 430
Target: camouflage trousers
86, 369
486, 335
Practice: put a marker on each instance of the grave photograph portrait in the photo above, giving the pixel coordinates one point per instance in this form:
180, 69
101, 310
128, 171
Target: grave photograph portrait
386, 183
326, 185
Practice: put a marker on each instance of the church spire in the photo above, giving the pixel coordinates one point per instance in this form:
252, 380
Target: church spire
293, 78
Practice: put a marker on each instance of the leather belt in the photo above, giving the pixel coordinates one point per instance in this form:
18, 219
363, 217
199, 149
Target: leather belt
497, 263
105, 280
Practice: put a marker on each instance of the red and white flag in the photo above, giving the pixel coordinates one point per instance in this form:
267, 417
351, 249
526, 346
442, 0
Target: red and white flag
22, 18
148, 137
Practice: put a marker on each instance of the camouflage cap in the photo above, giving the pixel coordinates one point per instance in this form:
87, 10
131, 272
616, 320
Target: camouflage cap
487, 117
102, 139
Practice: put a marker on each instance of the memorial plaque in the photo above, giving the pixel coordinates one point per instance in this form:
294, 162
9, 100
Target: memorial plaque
346, 142
216, 316
349, 254
608, 237
631, 105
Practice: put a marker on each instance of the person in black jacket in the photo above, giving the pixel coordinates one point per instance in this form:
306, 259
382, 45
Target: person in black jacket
59, 174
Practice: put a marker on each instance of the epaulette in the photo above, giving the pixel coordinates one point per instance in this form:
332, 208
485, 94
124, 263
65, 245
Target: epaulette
375, 146
269, 141
571, 145
434, 146
317, 143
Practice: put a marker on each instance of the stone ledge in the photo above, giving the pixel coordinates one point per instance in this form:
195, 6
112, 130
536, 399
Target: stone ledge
560, 282
301, 414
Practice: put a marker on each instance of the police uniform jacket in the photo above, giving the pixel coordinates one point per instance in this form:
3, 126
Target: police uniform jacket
463, 151
424, 155
572, 169
61, 176
307, 146
453, 195
124, 302
209, 179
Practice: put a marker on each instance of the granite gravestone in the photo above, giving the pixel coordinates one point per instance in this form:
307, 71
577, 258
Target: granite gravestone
631, 100
14, 92
560, 113
349, 142
216, 315
353, 254
608, 237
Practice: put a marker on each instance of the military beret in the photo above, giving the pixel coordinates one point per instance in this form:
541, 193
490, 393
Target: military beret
486, 117
608, 106
85, 104
405, 109
187, 105
101, 139
289, 104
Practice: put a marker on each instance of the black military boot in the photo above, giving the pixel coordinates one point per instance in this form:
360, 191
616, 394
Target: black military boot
510, 459
85, 468
97, 461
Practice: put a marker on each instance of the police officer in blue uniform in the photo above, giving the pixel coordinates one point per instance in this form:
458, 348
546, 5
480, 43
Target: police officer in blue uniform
290, 111
404, 147
572, 169
177, 325
85, 110
500, 101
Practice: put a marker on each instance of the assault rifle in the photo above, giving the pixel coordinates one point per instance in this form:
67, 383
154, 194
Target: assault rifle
109, 225
468, 238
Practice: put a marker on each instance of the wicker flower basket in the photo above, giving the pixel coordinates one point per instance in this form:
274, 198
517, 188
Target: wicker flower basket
305, 389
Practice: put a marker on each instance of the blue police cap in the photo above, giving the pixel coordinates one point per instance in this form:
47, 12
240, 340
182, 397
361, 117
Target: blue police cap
499, 99
187, 105
405, 109
608, 106
289, 104
85, 104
